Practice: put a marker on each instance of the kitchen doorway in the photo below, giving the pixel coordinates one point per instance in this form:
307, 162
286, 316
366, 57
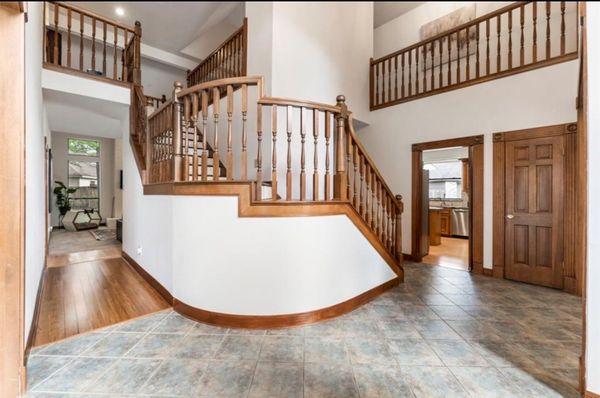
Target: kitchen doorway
447, 203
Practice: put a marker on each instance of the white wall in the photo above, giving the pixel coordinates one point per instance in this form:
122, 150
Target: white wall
322, 49
308, 264
541, 97
593, 254
35, 177
158, 78
61, 157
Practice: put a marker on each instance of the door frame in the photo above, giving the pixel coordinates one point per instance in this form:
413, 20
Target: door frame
572, 274
12, 191
475, 145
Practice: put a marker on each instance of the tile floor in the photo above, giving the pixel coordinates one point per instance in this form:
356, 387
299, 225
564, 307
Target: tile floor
443, 333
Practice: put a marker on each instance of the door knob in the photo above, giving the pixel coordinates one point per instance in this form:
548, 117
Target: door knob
510, 216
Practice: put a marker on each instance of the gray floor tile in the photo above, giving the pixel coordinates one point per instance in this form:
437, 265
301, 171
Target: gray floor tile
174, 323
413, 352
485, 382
176, 377
450, 312
278, 380
323, 380
323, 349
533, 383
381, 382
282, 349
435, 330
40, 367
143, 324
369, 351
155, 346
125, 377
240, 348
227, 378
76, 376
73, 345
457, 353
198, 346
115, 344
398, 329
204, 328
432, 382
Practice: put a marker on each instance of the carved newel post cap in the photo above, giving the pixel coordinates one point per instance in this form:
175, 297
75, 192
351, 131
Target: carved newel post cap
177, 85
398, 197
340, 99
138, 23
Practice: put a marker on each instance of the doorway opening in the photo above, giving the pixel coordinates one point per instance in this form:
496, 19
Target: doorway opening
447, 203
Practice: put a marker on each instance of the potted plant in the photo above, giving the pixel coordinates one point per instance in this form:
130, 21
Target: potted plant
63, 199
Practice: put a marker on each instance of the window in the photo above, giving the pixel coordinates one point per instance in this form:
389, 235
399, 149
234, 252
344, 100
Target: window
84, 176
84, 147
445, 180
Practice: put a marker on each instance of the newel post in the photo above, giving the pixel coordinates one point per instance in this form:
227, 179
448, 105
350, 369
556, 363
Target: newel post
177, 154
137, 54
399, 211
340, 178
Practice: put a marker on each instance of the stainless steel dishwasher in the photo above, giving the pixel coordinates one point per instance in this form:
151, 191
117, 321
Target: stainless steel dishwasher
460, 221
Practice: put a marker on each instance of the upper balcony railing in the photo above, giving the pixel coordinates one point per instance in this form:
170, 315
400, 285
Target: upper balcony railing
82, 42
519, 37
228, 60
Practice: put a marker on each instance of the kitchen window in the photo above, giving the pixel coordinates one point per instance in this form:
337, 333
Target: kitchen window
445, 180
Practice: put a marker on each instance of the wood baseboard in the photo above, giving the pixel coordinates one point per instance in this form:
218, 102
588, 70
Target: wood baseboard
36, 316
149, 278
589, 394
280, 321
247, 207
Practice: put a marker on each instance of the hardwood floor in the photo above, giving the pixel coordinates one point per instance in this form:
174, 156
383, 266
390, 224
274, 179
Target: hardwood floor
452, 253
92, 294
60, 260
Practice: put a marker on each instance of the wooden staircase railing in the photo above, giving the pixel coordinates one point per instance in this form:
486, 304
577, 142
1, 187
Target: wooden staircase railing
520, 37
300, 152
228, 60
81, 42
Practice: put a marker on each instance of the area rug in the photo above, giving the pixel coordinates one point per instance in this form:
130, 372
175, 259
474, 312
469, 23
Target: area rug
104, 234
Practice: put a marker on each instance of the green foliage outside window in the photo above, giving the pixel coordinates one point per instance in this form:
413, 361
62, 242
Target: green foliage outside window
84, 147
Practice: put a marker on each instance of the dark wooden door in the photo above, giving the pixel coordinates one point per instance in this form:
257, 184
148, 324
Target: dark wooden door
534, 210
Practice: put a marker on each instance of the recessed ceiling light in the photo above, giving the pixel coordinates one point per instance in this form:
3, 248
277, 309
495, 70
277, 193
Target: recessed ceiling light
120, 11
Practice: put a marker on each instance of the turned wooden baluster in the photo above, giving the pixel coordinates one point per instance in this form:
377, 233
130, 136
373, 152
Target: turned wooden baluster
93, 44
487, 46
396, 77
457, 57
522, 22
468, 60
68, 37
548, 5
194, 128
176, 146
229, 132
185, 136
316, 154
477, 52
104, 48
562, 27
389, 79
383, 75
399, 229
115, 37
510, 53
432, 47
417, 71
377, 84
80, 41
402, 86
534, 48
288, 174
123, 56
259, 157
410, 73
302, 154
350, 167
274, 157
367, 214
361, 199
205, 135
498, 49
449, 60
55, 60
440, 75
244, 160
216, 155
373, 199
424, 52
356, 182
378, 212
327, 156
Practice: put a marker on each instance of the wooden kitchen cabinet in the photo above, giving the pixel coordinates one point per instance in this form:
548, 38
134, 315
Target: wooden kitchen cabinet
445, 222
435, 232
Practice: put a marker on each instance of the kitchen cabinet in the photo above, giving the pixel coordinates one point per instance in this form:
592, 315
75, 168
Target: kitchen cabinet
446, 222
435, 232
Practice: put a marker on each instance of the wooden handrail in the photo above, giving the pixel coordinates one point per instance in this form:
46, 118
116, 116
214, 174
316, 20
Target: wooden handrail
114, 52
488, 47
229, 59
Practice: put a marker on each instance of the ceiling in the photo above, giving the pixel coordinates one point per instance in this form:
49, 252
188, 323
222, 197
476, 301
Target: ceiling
169, 26
385, 11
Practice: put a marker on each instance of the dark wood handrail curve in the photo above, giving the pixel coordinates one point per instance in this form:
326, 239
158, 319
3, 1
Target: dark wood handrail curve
229, 59
519, 37
82, 42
